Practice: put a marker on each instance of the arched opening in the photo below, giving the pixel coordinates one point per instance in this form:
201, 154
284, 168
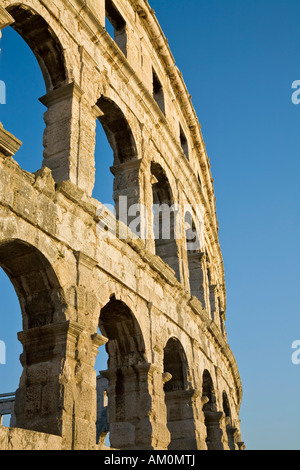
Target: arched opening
38, 401
194, 256
117, 130
23, 113
164, 214
124, 166
180, 416
102, 427
127, 375
10, 366
104, 159
43, 42
214, 439
31, 62
116, 26
230, 430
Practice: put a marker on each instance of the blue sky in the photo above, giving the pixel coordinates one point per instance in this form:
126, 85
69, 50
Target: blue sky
239, 60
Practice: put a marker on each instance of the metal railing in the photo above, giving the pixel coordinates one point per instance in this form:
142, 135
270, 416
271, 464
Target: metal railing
7, 406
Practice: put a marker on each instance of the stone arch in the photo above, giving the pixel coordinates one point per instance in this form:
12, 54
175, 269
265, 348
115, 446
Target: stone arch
35, 29
164, 213
230, 429
126, 166
43, 42
214, 439
196, 270
226, 405
126, 345
118, 131
38, 404
36, 284
178, 395
129, 400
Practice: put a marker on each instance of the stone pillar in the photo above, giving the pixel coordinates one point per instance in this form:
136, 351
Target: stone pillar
166, 246
199, 419
84, 392
148, 201
232, 435
198, 278
57, 393
62, 133
82, 401
133, 411
214, 307
181, 420
213, 423
102, 409
40, 399
127, 195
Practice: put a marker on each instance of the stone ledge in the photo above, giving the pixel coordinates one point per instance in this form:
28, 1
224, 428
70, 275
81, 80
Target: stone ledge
9, 144
21, 439
5, 19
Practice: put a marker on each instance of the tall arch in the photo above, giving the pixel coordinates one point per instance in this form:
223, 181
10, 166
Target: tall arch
126, 165
129, 401
38, 403
230, 429
118, 131
194, 257
214, 439
180, 413
43, 42
61, 98
164, 214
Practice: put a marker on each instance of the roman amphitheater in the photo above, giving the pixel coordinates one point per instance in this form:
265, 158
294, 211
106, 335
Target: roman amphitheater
84, 277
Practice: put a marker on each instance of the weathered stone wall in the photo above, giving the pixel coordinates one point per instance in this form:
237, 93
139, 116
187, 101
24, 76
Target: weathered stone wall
164, 332
20, 440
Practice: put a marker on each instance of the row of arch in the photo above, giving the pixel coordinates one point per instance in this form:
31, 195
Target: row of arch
186, 259
43, 305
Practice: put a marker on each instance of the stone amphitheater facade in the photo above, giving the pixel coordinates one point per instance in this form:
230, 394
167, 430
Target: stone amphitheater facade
172, 380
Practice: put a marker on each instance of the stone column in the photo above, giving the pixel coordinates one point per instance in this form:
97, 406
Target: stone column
181, 420
148, 202
133, 411
231, 435
62, 133
84, 392
42, 393
198, 278
127, 194
214, 307
57, 393
102, 408
213, 422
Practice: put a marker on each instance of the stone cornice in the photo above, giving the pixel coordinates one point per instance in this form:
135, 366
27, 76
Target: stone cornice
5, 18
9, 144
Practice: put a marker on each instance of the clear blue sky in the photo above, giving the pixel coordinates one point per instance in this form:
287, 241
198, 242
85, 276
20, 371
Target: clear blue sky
239, 59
